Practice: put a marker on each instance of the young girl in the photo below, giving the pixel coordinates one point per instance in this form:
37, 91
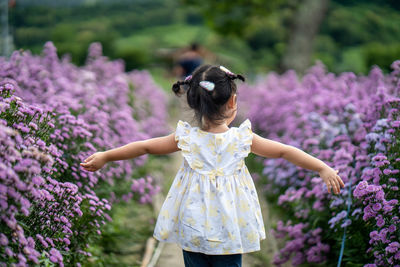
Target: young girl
212, 210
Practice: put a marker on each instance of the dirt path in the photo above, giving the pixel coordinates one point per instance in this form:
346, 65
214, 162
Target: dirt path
171, 254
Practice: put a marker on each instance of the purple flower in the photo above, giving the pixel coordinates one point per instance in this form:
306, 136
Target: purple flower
56, 253
9, 252
387, 171
3, 240
392, 228
380, 222
393, 247
377, 206
387, 208
346, 223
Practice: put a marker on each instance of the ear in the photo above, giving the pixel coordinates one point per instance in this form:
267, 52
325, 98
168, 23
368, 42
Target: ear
232, 101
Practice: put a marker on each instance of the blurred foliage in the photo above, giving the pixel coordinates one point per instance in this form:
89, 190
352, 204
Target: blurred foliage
232, 16
123, 240
359, 34
351, 37
248, 36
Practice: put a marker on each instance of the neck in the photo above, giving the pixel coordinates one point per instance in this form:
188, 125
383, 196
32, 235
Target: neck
215, 127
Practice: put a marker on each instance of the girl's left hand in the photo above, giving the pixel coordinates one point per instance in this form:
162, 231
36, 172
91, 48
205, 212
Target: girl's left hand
94, 162
332, 180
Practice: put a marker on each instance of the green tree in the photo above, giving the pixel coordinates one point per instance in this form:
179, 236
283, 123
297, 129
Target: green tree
236, 17
232, 17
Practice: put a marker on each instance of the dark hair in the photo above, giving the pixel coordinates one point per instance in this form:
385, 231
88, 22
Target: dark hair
206, 103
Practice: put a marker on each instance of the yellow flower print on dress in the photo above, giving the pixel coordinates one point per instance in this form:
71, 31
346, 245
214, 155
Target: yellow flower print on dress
244, 206
188, 200
231, 236
242, 222
252, 237
179, 183
200, 133
184, 127
164, 233
224, 219
238, 193
165, 213
197, 164
211, 146
216, 172
195, 241
211, 195
213, 211
190, 221
203, 209
228, 187
207, 226
237, 134
219, 158
226, 250
235, 220
196, 188
219, 140
231, 148
184, 142
214, 244
194, 148
229, 204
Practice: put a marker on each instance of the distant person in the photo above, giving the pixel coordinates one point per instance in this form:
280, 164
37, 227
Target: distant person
212, 210
188, 61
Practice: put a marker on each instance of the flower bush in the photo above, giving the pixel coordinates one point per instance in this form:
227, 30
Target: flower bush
351, 123
53, 115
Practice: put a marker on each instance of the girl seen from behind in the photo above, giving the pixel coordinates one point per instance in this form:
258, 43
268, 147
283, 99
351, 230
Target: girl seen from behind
212, 210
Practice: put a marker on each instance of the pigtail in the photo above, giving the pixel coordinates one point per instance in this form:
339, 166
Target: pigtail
240, 77
237, 76
177, 89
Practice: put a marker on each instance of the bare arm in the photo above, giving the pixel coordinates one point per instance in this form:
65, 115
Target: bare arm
273, 149
159, 145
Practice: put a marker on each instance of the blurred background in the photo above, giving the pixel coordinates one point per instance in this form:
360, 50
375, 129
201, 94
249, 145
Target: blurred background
248, 36
169, 38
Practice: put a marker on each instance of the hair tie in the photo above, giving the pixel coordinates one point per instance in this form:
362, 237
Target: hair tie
230, 73
188, 78
209, 86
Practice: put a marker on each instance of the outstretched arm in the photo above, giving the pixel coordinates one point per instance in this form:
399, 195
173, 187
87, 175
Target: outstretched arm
159, 145
273, 149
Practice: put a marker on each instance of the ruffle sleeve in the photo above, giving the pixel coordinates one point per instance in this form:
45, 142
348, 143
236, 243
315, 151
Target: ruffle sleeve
182, 135
245, 139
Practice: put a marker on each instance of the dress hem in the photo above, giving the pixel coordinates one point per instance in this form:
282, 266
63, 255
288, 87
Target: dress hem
253, 249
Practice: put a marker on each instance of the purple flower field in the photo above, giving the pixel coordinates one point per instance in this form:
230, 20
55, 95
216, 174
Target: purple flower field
353, 124
53, 115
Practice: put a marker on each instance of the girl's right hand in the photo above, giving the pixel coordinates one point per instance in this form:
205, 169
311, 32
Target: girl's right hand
94, 162
331, 179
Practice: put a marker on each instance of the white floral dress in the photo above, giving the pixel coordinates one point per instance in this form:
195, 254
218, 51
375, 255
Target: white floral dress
212, 206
